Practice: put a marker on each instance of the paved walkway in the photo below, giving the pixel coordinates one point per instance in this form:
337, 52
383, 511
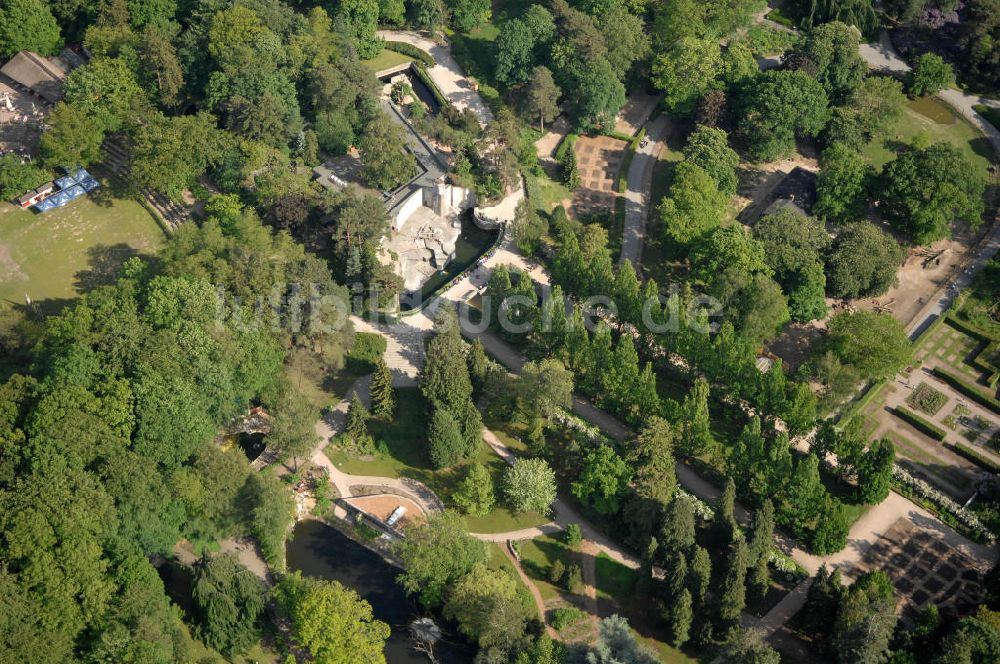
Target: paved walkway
640, 182
445, 73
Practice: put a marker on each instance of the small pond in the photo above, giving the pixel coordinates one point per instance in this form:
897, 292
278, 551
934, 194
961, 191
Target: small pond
471, 244
252, 444
936, 111
322, 551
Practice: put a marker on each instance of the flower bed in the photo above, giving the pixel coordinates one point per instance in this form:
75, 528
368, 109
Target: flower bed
947, 509
925, 398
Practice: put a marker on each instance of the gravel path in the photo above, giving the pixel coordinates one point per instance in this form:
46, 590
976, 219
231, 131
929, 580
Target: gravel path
640, 181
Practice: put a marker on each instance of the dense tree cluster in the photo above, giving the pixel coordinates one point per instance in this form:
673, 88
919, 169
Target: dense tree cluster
588, 49
455, 432
108, 455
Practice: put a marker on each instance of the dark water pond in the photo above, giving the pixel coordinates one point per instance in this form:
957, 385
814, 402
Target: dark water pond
252, 444
321, 551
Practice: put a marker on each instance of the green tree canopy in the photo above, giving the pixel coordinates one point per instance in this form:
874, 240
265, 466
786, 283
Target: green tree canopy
863, 261
384, 163
842, 184
708, 147
831, 51
728, 247
603, 479
599, 96
436, 554
775, 107
228, 600
28, 25
530, 486
874, 343
488, 609
475, 494
72, 137
542, 96
922, 191
694, 206
331, 622
686, 71
930, 75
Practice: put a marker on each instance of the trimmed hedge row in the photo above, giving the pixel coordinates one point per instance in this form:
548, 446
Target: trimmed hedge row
919, 423
975, 457
431, 85
630, 151
967, 328
411, 51
968, 390
621, 136
854, 407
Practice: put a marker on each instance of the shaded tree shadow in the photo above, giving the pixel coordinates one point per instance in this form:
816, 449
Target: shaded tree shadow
982, 147
104, 261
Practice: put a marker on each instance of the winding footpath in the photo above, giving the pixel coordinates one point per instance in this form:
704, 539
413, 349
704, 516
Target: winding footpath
405, 357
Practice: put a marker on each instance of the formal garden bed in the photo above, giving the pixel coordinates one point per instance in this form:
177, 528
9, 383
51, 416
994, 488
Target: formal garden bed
925, 398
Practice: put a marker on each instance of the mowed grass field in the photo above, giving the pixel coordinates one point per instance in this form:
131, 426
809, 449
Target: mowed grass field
53, 257
385, 60
938, 122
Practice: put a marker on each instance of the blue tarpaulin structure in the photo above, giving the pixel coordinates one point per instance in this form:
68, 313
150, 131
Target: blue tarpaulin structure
71, 186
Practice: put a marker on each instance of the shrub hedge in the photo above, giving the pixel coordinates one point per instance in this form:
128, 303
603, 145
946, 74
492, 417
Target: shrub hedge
919, 423
975, 457
412, 51
367, 350
431, 85
968, 390
565, 617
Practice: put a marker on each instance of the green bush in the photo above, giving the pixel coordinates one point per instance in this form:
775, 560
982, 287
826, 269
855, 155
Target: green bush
556, 571
968, 390
623, 173
566, 617
919, 423
565, 144
574, 579
574, 535
975, 457
431, 85
412, 51
367, 350
620, 136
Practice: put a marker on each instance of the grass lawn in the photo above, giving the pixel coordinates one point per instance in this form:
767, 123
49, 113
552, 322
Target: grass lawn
322, 384
615, 580
546, 192
56, 256
499, 561
935, 119
991, 114
386, 59
403, 443
655, 254
538, 555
